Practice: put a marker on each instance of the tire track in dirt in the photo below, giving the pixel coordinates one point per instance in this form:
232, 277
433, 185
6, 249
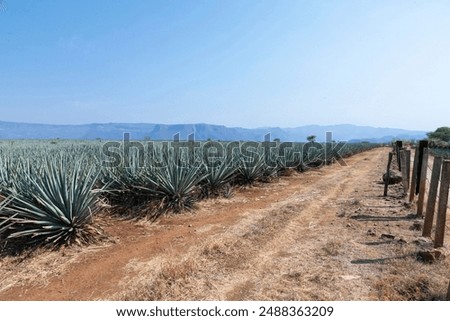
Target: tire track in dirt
307, 227
315, 208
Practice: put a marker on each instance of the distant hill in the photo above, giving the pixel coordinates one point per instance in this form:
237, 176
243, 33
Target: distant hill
139, 131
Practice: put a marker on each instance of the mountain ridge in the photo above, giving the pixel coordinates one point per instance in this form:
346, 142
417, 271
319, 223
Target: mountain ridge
202, 131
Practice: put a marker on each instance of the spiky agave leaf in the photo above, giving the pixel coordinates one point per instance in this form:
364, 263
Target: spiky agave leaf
128, 185
60, 209
290, 159
4, 201
251, 171
217, 177
175, 186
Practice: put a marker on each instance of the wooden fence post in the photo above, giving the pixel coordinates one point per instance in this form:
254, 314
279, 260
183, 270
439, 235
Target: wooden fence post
432, 196
442, 206
408, 165
423, 182
404, 172
388, 174
448, 292
412, 191
398, 148
422, 145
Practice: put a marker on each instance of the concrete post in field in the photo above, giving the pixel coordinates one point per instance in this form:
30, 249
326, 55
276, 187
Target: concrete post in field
412, 191
442, 205
432, 196
422, 182
388, 174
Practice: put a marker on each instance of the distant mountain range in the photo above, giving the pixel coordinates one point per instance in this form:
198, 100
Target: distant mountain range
115, 131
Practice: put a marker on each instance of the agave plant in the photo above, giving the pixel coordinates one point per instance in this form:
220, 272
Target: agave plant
217, 178
313, 155
176, 186
291, 159
250, 172
128, 185
56, 208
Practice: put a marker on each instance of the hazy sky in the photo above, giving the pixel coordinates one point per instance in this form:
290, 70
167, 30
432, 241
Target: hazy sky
237, 63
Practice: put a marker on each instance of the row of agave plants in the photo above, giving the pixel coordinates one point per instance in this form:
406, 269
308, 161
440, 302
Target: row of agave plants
50, 192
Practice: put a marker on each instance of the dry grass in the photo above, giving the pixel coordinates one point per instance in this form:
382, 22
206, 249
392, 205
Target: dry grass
199, 272
170, 281
411, 280
332, 247
37, 267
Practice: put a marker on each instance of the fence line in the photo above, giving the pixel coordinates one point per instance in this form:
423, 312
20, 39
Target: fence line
426, 186
437, 187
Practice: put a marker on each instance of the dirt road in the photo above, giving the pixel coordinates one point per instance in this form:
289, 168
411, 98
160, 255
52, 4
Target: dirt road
310, 236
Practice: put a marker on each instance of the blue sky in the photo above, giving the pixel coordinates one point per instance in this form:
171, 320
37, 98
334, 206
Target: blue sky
237, 63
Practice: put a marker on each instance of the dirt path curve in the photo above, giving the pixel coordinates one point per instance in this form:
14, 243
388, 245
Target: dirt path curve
293, 212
